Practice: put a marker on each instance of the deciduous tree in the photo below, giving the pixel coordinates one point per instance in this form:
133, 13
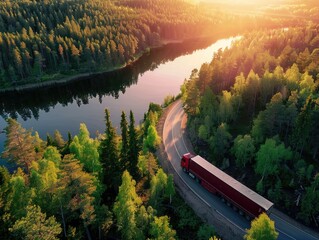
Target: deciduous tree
126, 206
262, 228
161, 229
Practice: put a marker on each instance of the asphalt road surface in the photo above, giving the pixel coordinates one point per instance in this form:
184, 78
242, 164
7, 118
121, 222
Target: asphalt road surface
174, 140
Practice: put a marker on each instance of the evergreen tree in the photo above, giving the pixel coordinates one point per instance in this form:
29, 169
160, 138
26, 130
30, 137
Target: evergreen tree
4, 190
125, 141
147, 165
134, 147
78, 191
309, 203
19, 145
58, 139
109, 158
35, 225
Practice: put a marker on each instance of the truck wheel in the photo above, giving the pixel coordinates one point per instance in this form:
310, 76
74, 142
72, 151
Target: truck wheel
223, 199
228, 204
241, 212
184, 169
248, 217
235, 208
197, 180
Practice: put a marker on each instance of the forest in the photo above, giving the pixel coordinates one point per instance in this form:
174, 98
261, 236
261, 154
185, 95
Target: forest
41, 40
110, 186
255, 113
53, 39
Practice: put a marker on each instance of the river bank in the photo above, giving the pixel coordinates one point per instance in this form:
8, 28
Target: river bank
80, 76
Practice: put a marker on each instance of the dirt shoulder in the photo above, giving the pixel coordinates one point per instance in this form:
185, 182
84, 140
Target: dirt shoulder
205, 212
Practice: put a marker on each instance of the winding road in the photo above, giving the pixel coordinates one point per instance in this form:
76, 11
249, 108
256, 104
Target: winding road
176, 144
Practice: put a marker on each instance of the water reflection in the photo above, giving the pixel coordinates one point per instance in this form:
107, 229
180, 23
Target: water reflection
154, 76
28, 104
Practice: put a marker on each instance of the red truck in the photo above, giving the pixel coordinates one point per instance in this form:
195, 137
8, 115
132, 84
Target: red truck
220, 183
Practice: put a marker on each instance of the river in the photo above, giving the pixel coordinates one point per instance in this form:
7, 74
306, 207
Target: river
150, 79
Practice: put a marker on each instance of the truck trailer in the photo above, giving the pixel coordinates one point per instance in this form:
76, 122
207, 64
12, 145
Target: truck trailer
218, 182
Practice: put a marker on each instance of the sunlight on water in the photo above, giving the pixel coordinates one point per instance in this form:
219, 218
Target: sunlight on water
153, 86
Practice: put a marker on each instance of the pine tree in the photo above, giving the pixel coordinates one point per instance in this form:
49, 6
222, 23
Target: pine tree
134, 147
109, 158
4, 190
77, 191
35, 225
20, 145
125, 141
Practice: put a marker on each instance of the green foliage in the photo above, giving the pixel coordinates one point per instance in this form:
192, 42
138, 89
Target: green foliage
144, 218
168, 100
161, 230
262, 228
152, 139
158, 186
4, 184
125, 140
155, 108
38, 39
186, 218
126, 207
271, 121
191, 97
52, 154
243, 149
270, 159
86, 150
35, 225
268, 96
226, 110
4, 190
44, 180
134, 147
205, 232
58, 140
309, 203
147, 165
220, 142
19, 145
79, 188
19, 196
109, 158
270, 156
170, 188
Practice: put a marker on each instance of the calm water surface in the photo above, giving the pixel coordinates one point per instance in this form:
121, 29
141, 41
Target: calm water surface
151, 79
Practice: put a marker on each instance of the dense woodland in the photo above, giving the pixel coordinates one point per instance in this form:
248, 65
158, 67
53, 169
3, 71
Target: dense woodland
51, 39
40, 40
256, 114
92, 188
256, 111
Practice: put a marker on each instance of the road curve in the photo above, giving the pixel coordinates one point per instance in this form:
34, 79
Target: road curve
217, 213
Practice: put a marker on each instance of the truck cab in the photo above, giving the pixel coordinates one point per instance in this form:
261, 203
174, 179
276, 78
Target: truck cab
185, 161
